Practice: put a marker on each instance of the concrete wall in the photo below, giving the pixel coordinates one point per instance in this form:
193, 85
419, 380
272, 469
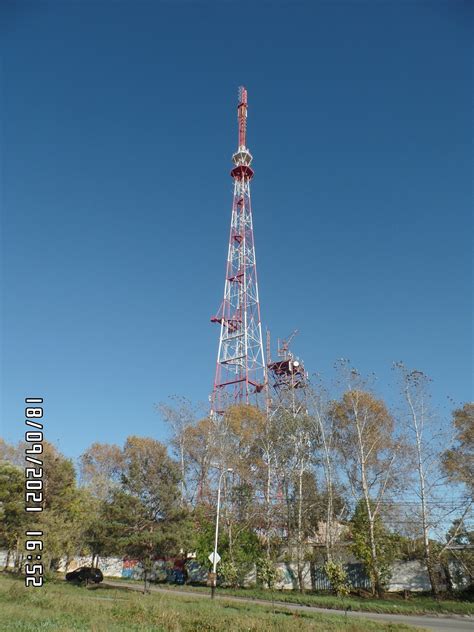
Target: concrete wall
110, 566
288, 576
3, 559
411, 575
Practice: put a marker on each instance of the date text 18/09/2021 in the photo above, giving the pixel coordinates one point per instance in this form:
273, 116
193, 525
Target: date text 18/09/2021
34, 490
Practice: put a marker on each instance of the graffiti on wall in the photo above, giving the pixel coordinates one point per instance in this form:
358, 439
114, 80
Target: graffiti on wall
132, 569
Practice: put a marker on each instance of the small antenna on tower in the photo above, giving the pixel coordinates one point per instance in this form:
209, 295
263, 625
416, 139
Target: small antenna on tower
242, 116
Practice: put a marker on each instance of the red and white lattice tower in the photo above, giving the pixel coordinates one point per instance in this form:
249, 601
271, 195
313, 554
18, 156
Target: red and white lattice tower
240, 370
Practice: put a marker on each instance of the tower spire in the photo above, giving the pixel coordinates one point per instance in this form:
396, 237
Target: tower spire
240, 367
242, 116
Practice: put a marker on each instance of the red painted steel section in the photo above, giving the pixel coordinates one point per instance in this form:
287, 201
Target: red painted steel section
242, 116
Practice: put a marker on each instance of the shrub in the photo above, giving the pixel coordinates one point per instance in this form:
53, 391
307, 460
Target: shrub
267, 573
230, 573
338, 578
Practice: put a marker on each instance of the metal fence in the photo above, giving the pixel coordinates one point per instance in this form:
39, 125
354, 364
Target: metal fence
356, 577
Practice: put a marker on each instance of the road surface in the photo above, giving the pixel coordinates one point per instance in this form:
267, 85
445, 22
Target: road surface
428, 622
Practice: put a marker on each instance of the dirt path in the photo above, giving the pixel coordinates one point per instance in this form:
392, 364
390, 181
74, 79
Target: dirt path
435, 623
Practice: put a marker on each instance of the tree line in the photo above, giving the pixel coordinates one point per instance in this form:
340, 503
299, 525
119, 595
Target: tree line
346, 469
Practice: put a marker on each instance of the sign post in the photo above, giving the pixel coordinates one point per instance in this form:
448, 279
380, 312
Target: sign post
212, 579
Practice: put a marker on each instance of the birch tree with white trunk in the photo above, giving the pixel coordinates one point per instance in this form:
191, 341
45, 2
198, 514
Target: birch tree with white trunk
365, 432
180, 415
428, 437
325, 454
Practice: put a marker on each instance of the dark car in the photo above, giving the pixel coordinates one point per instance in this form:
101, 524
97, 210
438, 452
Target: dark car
85, 574
176, 576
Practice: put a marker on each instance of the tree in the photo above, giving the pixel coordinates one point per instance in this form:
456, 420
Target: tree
368, 532
236, 562
13, 519
66, 509
136, 502
199, 445
147, 511
296, 447
131, 530
365, 441
150, 475
460, 541
180, 416
427, 440
64, 530
314, 507
325, 455
238, 447
59, 479
458, 460
247, 441
101, 469
13, 454
268, 475
419, 423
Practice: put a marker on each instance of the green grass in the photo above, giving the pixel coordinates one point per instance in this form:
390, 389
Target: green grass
59, 606
395, 604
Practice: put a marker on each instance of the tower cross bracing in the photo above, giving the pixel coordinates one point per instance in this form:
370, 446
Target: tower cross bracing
240, 367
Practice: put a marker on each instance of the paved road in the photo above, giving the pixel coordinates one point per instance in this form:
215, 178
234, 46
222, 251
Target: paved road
437, 624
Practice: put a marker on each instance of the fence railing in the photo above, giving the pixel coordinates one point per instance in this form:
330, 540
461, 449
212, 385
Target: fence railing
356, 577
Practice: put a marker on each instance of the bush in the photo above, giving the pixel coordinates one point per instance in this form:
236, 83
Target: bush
338, 578
267, 573
229, 572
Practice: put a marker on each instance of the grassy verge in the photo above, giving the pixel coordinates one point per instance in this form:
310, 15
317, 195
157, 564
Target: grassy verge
58, 606
392, 605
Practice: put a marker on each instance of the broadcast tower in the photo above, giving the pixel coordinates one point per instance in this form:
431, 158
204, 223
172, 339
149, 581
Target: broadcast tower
240, 370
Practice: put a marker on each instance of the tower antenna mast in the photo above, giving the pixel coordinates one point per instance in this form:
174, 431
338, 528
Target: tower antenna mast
240, 367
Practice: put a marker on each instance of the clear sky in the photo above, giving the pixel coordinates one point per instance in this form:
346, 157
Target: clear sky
118, 125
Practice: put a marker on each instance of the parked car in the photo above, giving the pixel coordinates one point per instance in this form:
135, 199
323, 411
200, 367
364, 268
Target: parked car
85, 574
175, 576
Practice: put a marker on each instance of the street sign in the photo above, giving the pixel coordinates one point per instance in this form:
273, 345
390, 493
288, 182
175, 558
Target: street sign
211, 558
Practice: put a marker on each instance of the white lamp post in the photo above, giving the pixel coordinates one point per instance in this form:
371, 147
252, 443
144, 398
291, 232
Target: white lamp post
214, 558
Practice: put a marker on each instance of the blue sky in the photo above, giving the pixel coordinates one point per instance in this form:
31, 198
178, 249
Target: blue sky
118, 125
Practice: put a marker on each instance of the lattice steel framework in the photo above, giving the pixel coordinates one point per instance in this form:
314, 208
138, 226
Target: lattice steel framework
240, 369
287, 380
